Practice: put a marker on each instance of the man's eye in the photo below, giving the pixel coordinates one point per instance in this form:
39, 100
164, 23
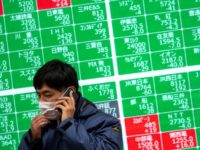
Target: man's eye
48, 96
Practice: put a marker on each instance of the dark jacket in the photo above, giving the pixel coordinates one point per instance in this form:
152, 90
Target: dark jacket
89, 129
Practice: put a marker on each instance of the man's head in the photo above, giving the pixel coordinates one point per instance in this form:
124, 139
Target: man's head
55, 75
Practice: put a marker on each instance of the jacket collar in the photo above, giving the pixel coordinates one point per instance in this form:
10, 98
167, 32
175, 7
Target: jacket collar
84, 108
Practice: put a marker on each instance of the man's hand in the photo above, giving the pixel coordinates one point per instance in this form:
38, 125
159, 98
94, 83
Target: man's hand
36, 126
67, 106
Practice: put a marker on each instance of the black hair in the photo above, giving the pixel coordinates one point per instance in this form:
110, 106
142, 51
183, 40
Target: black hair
57, 75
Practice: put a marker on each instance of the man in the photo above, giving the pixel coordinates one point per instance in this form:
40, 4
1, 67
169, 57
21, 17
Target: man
68, 121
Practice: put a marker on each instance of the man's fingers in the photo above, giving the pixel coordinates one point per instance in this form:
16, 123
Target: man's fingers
64, 102
67, 101
43, 123
38, 119
60, 107
64, 106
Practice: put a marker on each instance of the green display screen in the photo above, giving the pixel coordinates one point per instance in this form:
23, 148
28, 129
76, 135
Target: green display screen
138, 60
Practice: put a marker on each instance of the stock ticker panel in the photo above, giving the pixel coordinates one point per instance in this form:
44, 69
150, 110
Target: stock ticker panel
102, 39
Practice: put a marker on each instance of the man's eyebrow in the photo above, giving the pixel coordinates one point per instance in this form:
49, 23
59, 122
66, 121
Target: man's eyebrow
45, 91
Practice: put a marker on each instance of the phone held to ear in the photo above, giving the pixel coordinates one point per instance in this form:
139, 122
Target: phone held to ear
74, 94
48, 108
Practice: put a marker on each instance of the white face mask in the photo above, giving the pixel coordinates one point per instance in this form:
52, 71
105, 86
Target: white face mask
49, 111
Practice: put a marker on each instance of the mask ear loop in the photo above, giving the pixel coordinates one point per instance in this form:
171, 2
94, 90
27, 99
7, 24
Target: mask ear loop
49, 109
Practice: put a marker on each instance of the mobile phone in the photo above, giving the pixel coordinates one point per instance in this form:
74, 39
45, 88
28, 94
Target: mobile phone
68, 91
